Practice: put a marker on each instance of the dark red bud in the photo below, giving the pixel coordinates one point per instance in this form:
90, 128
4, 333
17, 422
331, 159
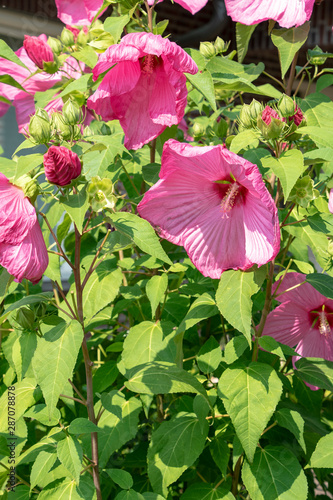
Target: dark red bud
269, 113
61, 165
297, 117
38, 50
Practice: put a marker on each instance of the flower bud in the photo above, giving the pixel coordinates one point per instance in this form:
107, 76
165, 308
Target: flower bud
38, 51
72, 112
59, 127
220, 45
29, 187
55, 44
286, 106
61, 165
207, 49
82, 38
198, 129
303, 192
270, 124
255, 109
67, 37
40, 128
100, 194
297, 117
316, 56
25, 318
245, 117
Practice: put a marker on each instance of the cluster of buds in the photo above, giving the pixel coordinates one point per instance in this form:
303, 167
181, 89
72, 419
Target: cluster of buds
41, 54
100, 194
209, 49
278, 121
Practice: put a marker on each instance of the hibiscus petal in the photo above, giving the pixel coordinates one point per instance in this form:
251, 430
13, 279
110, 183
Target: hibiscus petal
305, 295
77, 12
17, 214
289, 323
316, 345
192, 5
162, 102
287, 13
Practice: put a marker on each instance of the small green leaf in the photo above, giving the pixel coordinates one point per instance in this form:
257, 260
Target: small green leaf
243, 36
220, 452
9, 80
27, 393
43, 463
321, 136
76, 205
210, 356
203, 491
235, 348
66, 490
151, 172
322, 283
155, 290
322, 223
174, 447
233, 298
41, 414
70, 455
141, 232
7, 53
115, 25
271, 345
244, 139
121, 477
203, 82
202, 308
316, 371
79, 85
288, 42
323, 454
27, 163
250, 395
105, 375
82, 426
288, 167
275, 474
292, 420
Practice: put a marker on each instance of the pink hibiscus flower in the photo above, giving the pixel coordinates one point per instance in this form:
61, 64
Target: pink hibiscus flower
146, 89
24, 101
216, 205
304, 319
22, 249
287, 13
192, 5
330, 201
78, 12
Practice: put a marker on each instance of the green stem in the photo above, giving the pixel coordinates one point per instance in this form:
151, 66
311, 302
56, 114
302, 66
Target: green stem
292, 75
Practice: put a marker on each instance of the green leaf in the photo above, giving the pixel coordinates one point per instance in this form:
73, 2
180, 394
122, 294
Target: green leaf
201, 491
233, 298
120, 477
203, 82
244, 139
322, 283
174, 447
210, 356
198, 58
26, 394
115, 431
7, 53
129, 495
287, 168
41, 414
66, 490
27, 163
82, 426
323, 454
101, 288
7, 167
223, 66
220, 452
141, 232
316, 371
105, 376
271, 345
80, 85
275, 475
9, 80
147, 342
243, 36
22, 352
292, 420
250, 395
155, 290
323, 223
115, 25
321, 136
202, 308
318, 109
55, 358
76, 205
87, 55
235, 348
288, 42
151, 172
95, 163
43, 463
70, 455
30, 299
162, 378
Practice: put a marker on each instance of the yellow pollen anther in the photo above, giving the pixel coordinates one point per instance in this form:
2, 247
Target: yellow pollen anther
229, 199
324, 326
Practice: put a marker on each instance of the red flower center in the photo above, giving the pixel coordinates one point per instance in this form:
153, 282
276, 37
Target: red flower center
323, 320
231, 193
149, 62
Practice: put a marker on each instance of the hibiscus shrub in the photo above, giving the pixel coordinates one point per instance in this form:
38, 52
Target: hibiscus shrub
166, 262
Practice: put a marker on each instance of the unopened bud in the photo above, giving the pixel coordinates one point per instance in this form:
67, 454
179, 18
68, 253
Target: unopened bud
255, 109
220, 45
25, 318
303, 192
61, 165
38, 50
286, 106
29, 186
207, 49
245, 117
40, 129
316, 56
67, 37
82, 38
72, 112
100, 194
55, 44
198, 130
59, 127
297, 117
270, 124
